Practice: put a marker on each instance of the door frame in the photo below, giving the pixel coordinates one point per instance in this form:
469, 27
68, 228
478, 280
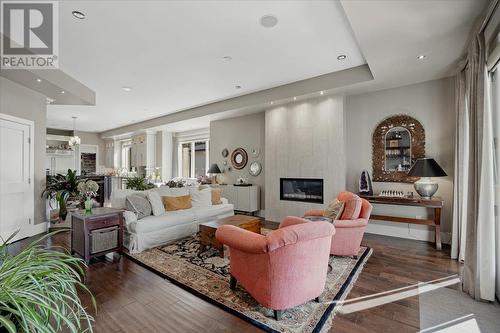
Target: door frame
31, 125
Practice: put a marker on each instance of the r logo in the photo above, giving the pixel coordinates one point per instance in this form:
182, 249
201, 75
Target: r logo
28, 28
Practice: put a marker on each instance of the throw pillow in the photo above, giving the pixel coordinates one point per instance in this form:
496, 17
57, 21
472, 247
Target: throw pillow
156, 203
352, 208
216, 196
201, 198
139, 205
334, 209
177, 203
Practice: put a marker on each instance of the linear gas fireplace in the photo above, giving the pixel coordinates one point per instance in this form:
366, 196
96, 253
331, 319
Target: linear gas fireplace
301, 189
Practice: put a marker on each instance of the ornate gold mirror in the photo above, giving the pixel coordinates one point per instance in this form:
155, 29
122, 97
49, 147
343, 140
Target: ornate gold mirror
398, 141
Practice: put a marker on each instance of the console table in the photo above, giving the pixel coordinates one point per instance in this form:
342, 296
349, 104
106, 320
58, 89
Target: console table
436, 203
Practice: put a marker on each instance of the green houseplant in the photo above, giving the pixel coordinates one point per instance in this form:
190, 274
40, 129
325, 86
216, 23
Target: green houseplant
138, 184
62, 187
39, 290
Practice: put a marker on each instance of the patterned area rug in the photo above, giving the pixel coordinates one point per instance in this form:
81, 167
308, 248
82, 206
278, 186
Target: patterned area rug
207, 276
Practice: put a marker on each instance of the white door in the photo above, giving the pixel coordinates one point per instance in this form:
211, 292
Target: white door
16, 190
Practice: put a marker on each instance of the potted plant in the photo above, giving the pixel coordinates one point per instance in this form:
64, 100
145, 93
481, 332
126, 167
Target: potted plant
88, 190
62, 188
39, 291
138, 184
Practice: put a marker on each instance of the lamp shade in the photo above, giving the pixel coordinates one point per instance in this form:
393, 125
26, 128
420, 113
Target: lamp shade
426, 167
214, 168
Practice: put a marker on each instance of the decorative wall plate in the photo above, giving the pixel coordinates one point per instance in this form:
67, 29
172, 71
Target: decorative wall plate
239, 158
225, 152
255, 168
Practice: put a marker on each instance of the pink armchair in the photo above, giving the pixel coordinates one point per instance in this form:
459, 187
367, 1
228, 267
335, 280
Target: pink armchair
284, 269
349, 233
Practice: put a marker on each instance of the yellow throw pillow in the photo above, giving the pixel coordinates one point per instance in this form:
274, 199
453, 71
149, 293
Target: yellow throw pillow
216, 194
334, 209
177, 203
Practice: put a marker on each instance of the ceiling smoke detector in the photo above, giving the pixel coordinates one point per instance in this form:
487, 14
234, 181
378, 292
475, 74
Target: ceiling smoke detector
79, 15
127, 89
268, 21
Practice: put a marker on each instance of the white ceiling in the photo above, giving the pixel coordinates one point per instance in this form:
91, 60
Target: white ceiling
391, 34
170, 53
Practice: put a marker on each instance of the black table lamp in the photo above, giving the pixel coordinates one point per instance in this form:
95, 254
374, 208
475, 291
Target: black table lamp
214, 170
426, 168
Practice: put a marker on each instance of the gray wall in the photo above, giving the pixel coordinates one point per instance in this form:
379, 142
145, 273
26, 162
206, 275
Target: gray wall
18, 101
246, 132
304, 139
432, 103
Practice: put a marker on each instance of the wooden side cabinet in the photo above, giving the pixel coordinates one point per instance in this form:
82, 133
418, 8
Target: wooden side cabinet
97, 233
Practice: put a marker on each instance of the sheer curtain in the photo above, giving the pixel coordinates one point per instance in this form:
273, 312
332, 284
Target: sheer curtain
473, 235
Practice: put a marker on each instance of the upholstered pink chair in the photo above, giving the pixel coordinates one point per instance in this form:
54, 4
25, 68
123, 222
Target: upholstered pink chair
284, 269
348, 232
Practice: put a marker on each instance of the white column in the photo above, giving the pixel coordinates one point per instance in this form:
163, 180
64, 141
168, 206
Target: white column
167, 155
117, 155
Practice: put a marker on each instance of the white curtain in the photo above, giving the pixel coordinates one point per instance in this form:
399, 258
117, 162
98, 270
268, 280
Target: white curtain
473, 234
461, 171
486, 255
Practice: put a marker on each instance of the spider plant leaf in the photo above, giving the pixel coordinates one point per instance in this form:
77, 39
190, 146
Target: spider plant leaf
7, 324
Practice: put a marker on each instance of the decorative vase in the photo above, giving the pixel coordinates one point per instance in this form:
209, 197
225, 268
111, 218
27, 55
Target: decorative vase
88, 205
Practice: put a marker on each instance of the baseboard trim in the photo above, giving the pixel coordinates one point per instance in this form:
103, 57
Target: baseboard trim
39, 228
407, 231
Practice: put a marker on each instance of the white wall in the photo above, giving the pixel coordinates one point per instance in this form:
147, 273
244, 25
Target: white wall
431, 103
18, 101
246, 132
304, 139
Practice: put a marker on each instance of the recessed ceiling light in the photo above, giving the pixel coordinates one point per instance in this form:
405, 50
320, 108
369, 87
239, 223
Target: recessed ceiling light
321, 92
268, 21
63, 92
38, 80
79, 15
125, 88
272, 102
341, 57
294, 98
227, 58
421, 57
237, 87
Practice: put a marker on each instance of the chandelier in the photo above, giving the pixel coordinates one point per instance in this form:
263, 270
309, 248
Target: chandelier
75, 139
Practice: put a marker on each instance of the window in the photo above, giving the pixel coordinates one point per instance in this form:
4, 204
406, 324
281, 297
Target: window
126, 153
193, 157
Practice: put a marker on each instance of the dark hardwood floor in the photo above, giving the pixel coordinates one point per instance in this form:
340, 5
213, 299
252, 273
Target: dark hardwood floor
132, 299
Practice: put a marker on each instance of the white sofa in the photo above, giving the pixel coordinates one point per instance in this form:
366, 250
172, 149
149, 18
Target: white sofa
153, 231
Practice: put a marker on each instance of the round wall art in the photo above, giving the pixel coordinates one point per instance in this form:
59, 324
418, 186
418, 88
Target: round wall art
255, 168
239, 158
